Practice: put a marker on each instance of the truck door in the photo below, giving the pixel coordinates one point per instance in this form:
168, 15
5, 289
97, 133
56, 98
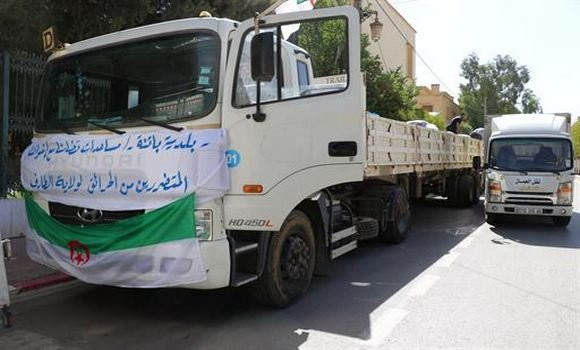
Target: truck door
312, 131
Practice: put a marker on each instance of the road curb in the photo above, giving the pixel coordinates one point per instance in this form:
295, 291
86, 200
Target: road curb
39, 283
48, 290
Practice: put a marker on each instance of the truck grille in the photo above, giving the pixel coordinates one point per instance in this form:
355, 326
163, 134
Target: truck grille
528, 193
528, 201
69, 215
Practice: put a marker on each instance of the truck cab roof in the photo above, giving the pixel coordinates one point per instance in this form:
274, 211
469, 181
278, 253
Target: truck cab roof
549, 125
149, 31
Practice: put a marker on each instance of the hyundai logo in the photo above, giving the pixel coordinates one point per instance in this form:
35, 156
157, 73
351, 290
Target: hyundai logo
89, 216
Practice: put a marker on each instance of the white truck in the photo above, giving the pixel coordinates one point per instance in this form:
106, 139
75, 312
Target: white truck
312, 173
529, 167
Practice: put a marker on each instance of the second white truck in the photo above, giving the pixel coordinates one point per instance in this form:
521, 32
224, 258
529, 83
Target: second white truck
529, 167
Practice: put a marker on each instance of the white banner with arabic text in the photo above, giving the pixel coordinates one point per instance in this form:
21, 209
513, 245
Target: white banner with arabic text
132, 171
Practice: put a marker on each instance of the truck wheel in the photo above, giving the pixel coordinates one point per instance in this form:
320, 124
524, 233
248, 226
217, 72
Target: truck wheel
561, 221
465, 191
493, 219
476, 191
290, 263
451, 190
397, 229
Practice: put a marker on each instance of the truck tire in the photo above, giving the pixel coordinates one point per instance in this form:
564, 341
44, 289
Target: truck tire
561, 221
397, 228
290, 263
477, 192
451, 191
367, 228
465, 191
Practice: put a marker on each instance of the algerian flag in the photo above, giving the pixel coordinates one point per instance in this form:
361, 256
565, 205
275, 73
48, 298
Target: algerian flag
294, 6
155, 249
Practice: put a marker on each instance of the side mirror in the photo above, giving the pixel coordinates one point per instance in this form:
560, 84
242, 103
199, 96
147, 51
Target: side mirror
262, 51
485, 166
476, 162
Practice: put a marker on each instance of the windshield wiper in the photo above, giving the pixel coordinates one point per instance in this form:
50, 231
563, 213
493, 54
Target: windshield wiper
496, 167
546, 171
116, 131
161, 124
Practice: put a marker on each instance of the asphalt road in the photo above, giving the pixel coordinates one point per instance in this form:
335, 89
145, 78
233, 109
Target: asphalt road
455, 283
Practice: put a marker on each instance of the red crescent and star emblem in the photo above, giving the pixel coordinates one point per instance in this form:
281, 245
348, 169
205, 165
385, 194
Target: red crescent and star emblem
79, 253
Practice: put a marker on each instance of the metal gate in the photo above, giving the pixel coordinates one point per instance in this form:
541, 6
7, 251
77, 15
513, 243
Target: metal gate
21, 76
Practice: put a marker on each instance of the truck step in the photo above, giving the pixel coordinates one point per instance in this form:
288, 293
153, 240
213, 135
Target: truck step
243, 247
244, 278
339, 235
343, 249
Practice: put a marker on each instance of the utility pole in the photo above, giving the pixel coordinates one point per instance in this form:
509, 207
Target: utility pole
484, 106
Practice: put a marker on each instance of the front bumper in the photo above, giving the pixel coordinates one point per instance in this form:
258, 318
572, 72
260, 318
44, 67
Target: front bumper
216, 260
520, 209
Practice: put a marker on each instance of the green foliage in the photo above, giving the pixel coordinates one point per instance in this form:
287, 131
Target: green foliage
21, 24
500, 85
435, 119
465, 128
326, 42
79, 20
576, 137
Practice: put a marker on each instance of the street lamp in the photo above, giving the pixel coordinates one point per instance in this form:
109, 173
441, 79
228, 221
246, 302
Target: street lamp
376, 29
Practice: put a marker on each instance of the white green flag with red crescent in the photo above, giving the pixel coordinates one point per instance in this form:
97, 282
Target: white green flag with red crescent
161, 175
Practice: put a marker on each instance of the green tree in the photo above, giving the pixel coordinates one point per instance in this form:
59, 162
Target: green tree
434, 118
389, 93
530, 102
499, 86
79, 20
21, 23
576, 137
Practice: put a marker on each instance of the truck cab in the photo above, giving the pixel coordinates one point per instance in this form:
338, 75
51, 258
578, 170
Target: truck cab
529, 167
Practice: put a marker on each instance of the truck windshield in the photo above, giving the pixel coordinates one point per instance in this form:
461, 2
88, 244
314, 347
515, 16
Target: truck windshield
165, 79
531, 154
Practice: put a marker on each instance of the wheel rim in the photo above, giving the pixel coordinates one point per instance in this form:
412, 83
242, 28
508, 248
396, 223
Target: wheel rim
295, 261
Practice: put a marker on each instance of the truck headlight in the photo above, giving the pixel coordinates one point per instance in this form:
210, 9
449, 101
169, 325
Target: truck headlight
565, 193
203, 224
494, 191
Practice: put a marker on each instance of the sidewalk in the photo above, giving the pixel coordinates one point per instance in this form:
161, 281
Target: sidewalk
25, 274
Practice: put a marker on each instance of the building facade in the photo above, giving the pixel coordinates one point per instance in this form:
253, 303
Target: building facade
434, 100
397, 42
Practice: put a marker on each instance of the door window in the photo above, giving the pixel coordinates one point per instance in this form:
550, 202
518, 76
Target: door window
311, 59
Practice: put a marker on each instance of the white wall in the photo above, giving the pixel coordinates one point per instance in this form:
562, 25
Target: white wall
12, 218
392, 44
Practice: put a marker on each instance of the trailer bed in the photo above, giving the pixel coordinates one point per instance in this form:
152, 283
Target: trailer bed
394, 148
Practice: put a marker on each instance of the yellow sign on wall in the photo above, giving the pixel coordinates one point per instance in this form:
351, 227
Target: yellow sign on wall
49, 39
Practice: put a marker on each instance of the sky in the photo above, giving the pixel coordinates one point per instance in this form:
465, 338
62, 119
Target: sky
544, 35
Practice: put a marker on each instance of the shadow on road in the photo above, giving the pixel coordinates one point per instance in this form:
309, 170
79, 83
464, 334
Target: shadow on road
539, 231
339, 302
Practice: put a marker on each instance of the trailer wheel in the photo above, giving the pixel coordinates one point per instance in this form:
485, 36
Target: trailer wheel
397, 228
465, 191
561, 221
451, 191
290, 263
476, 191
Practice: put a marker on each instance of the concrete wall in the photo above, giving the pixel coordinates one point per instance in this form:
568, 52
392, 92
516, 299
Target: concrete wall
12, 218
392, 46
